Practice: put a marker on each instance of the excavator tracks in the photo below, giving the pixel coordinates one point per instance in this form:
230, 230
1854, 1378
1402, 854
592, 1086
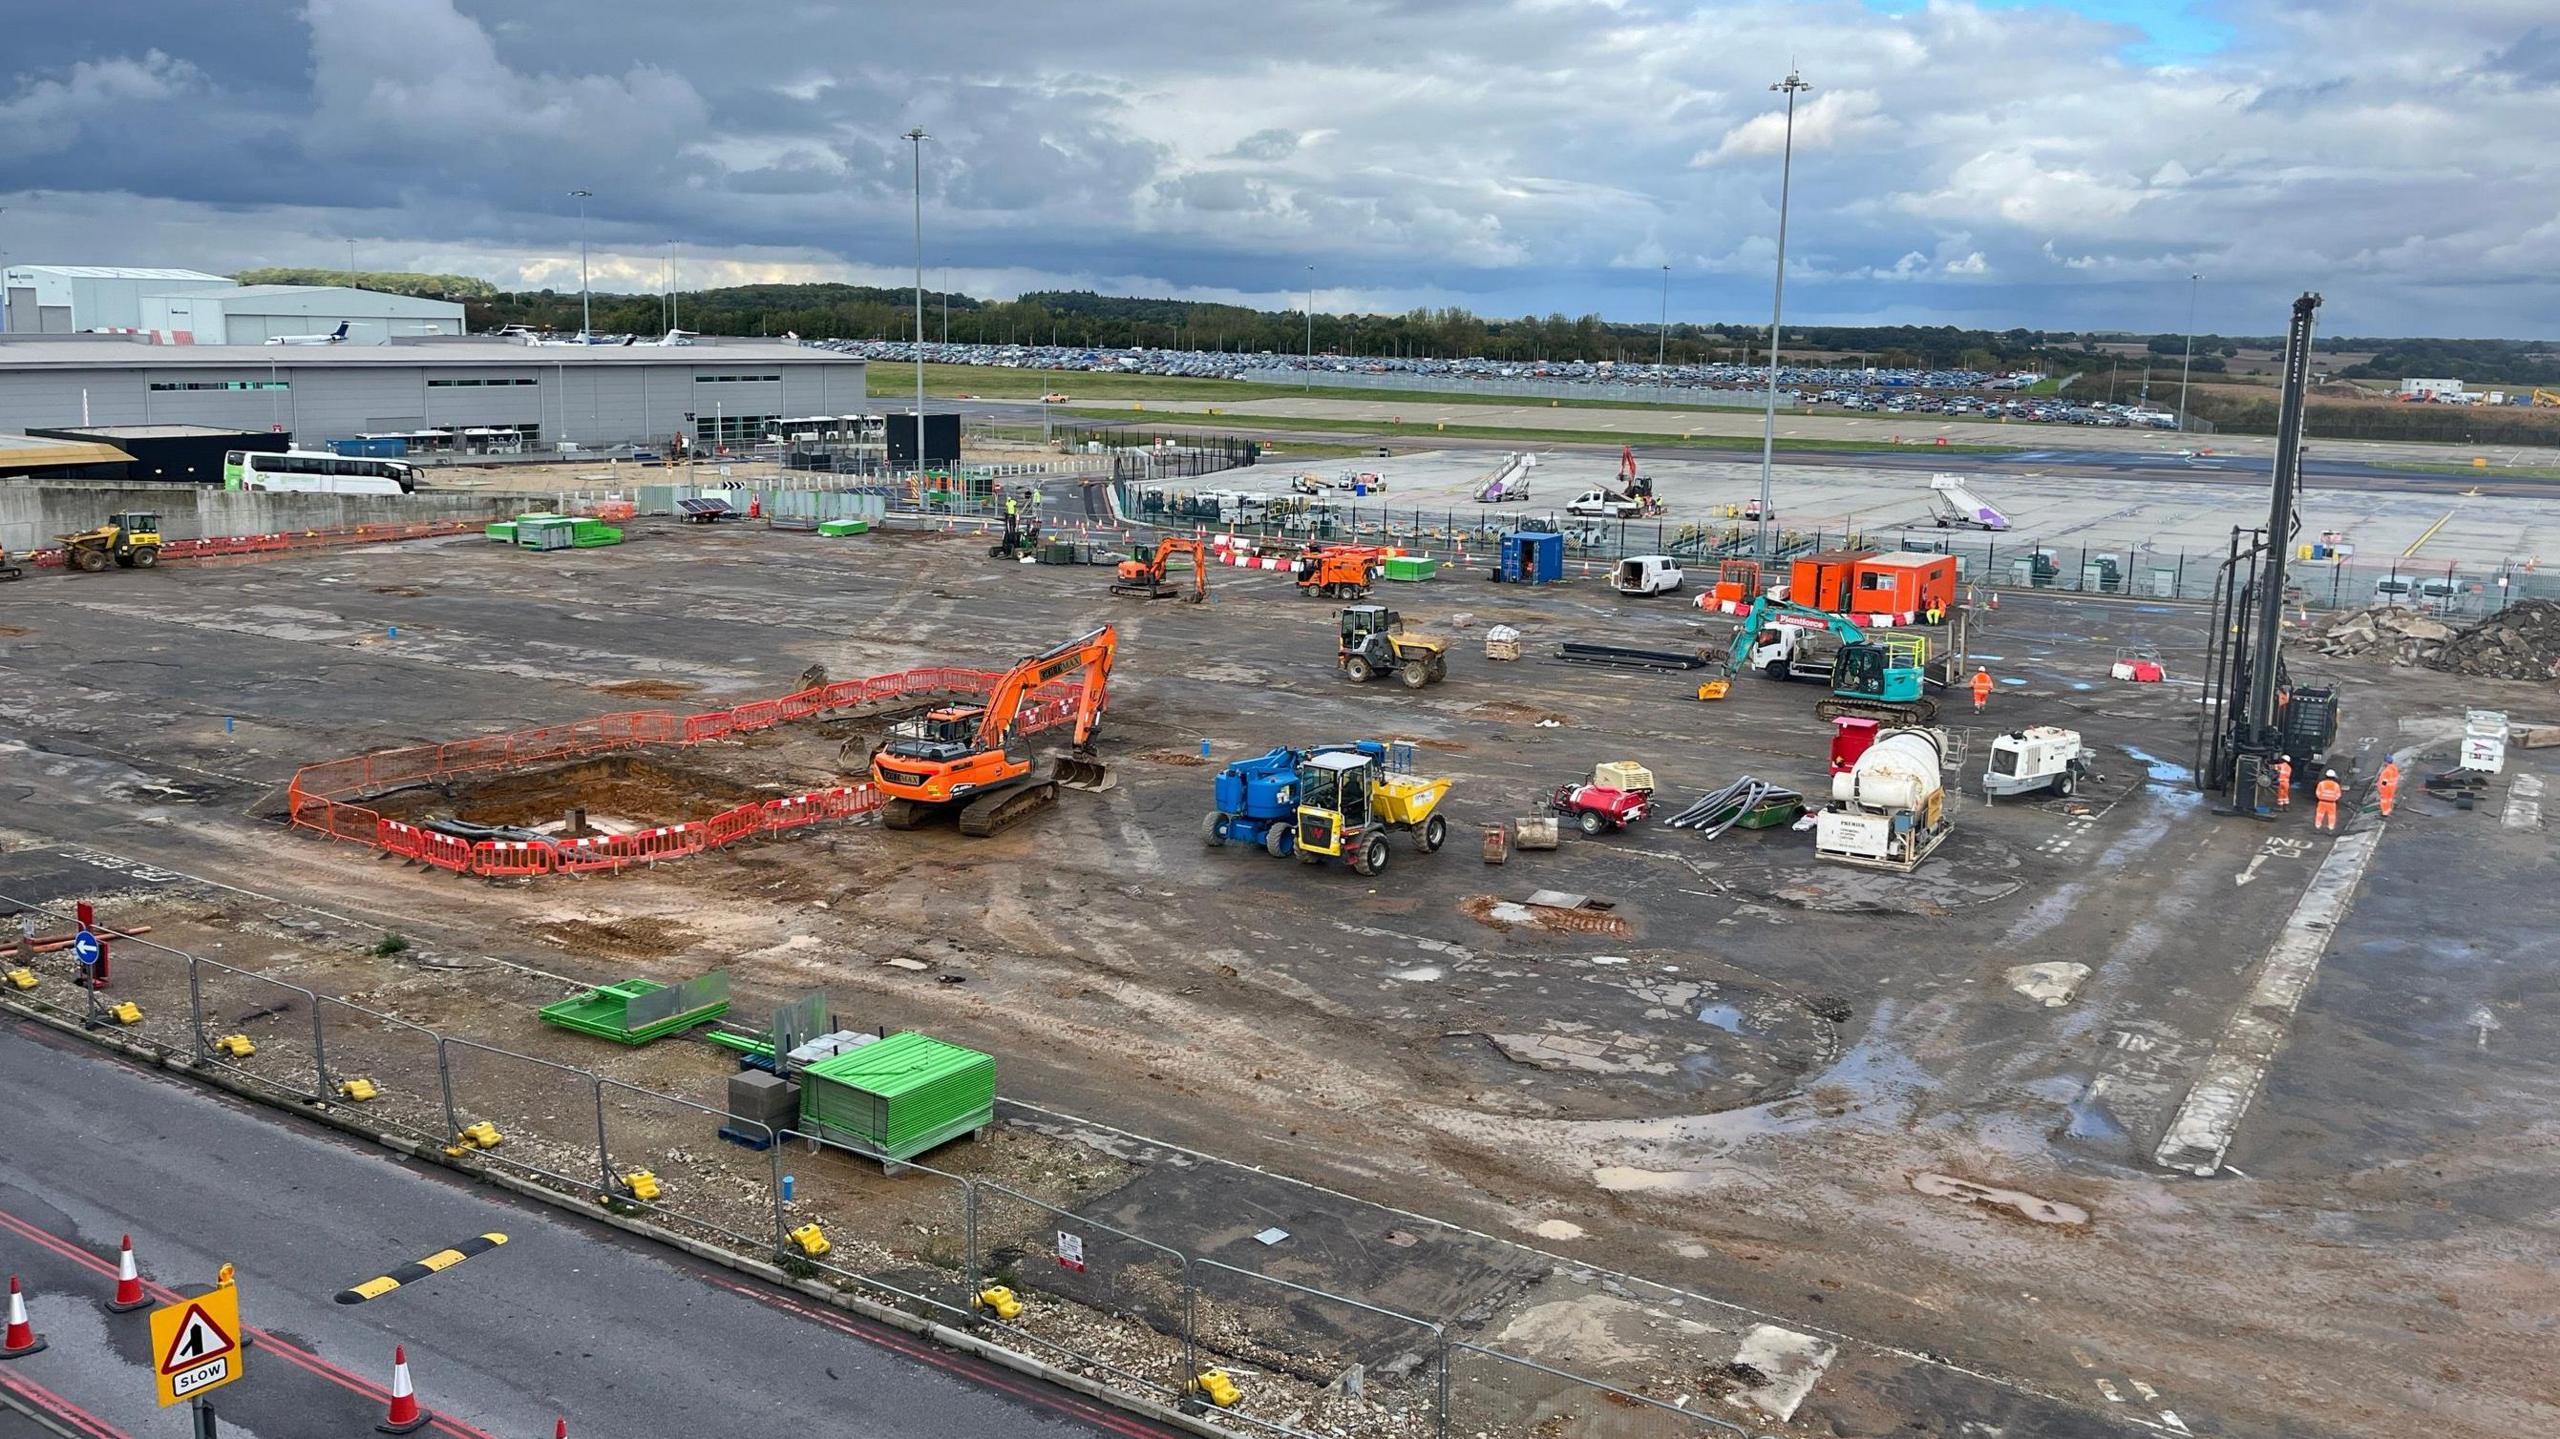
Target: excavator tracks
1005, 808
1913, 713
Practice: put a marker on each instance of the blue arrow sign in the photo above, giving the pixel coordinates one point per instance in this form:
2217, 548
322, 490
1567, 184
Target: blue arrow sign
85, 948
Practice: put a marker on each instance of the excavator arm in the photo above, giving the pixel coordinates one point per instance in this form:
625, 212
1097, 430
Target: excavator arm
1764, 609
1173, 545
1089, 655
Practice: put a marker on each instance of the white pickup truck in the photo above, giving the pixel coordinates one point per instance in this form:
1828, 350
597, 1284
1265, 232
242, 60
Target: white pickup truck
1646, 575
1607, 504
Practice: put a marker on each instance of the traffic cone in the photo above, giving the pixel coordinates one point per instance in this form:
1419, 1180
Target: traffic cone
22, 1337
405, 1414
129, 1296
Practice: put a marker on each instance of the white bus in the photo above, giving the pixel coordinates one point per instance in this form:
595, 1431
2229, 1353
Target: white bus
316, 472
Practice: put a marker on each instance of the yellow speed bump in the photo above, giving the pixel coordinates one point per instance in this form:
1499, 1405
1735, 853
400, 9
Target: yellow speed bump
436, 1263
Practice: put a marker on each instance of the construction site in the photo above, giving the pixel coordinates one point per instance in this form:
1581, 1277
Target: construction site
1434, 987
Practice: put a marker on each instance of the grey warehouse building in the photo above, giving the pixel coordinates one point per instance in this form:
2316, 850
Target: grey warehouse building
567, 397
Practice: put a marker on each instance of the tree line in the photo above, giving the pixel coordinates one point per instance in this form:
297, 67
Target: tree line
1083, 319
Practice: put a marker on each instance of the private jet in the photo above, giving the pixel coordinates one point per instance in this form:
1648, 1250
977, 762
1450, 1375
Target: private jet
334, 337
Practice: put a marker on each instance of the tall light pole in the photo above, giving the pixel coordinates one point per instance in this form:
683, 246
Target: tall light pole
1662, 332
1311, 317
1777, 308
916, 138
586, 301
2190, 357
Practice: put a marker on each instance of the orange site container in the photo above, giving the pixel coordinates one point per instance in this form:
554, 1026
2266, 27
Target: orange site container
1825, 581
1904, 583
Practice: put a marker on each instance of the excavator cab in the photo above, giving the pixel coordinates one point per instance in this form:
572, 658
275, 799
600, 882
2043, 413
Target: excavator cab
1333, 810
943, 734
1885, 677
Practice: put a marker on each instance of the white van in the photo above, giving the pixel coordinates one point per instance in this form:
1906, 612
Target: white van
2433, 596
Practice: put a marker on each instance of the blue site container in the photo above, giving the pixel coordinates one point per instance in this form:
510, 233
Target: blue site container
1532, 557
389, 447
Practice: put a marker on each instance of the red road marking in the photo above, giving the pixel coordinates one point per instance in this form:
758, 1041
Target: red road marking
265, 1342
949, 1362
54, 1406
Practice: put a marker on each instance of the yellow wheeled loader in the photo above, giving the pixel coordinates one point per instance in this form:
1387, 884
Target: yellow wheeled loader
1374, 643
131, 539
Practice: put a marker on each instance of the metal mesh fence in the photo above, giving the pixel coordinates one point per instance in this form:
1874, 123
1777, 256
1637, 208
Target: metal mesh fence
549, 1117
396, 1059
904, 1237
665, 1158
1319, 1360
1130, 1311
1093, 1296
257, 1028
2454, 590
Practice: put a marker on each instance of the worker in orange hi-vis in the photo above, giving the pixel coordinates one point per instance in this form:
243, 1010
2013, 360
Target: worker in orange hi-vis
2284, 781
2329, 793
2386, 785
1981, 688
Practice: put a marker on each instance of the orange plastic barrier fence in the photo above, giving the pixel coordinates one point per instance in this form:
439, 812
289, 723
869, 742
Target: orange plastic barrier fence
316, 796
215, 547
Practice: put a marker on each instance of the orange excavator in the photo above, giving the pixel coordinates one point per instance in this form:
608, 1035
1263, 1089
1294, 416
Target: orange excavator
969, 761
1338, 572
1147, 577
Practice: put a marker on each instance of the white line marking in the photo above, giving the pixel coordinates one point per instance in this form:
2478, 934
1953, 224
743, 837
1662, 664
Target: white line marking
2207, 1120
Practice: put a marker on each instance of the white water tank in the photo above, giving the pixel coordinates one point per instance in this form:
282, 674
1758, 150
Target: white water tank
1900, 771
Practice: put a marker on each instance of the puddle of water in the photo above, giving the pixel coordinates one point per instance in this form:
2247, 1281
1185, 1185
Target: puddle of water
2165, 771
1416, 975
2011, 680
1723, 1016
1621, 1179
2091, 1120
2082, 685
2174, 784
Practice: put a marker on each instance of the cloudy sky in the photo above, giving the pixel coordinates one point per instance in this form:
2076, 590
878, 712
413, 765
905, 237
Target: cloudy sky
1971, 162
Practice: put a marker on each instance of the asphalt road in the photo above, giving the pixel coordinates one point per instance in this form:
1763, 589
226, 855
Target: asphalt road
566, 1319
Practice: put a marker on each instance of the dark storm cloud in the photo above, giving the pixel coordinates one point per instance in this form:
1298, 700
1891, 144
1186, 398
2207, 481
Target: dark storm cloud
1960, 164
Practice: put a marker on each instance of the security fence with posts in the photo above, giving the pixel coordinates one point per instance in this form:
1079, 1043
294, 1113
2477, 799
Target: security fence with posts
975, 1239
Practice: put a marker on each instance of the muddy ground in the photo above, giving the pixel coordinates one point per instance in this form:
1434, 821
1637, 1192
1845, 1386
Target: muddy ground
1834, 1098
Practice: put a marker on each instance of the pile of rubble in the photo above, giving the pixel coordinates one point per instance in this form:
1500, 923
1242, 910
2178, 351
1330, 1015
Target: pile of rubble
2520, 642
2401, 636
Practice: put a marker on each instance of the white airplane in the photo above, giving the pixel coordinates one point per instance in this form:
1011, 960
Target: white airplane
334, 337
671, 337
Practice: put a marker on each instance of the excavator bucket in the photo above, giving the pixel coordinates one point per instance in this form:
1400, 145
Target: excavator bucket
1084, 770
